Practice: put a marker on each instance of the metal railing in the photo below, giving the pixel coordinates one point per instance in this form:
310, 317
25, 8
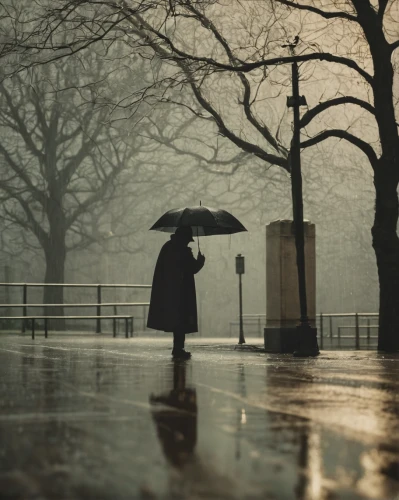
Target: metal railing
98, 305
257, 320
329, 332
324, 320
358, 327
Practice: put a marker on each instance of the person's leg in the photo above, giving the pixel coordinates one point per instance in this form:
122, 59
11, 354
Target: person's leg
178, 342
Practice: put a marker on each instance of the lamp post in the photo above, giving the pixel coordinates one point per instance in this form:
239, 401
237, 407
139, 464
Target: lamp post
240, 270
307, 345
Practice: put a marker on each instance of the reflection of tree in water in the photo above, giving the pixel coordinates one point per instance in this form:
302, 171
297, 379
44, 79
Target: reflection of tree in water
381, 472
50, 447
327, 460
381, 463
298, 436
35, 441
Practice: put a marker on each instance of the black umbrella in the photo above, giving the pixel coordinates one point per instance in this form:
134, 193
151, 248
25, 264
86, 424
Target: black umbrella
204, 221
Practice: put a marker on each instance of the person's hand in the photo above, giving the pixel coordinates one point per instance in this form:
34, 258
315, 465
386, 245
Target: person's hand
201, 258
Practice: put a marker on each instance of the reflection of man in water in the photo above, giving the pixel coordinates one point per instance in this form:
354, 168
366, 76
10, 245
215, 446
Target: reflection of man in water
177, 424
175, 414
173, 306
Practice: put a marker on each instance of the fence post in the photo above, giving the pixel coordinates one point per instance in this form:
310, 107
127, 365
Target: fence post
368, 332
144, 321
331, 329
24, 301
357, 331
321, 330
116, 323
98, 329
7, 288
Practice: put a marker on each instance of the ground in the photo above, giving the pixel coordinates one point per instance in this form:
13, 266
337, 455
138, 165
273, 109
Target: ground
91, 417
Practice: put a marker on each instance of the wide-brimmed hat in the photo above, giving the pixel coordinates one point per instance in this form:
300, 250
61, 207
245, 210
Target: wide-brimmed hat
185, 231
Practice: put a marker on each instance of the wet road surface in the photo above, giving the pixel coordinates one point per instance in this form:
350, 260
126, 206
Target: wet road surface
100, 418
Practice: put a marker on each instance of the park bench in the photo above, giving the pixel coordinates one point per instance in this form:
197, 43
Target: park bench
127, 318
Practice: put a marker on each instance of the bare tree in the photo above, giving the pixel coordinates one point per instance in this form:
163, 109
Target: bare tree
230, 56
368, 60
62, 162
367, 29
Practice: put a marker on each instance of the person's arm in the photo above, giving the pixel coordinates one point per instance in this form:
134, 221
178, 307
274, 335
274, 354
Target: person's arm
195, 264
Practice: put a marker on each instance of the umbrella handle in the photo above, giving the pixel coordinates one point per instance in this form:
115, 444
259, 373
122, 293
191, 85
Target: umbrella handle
199, 251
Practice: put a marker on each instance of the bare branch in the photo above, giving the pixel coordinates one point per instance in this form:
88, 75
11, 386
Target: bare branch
241, 143
382, 8
394, 45
261, 127
320, 12
36, 193
247, 67
20, 124
33, 223
312, 113
233, 162
343, 134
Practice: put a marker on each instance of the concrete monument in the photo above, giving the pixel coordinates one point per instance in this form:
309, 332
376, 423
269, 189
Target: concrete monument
282, 296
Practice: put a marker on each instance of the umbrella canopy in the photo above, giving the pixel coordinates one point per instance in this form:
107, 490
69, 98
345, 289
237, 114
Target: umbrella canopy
204, 221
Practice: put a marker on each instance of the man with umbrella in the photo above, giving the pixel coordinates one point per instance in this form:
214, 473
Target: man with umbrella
173, 306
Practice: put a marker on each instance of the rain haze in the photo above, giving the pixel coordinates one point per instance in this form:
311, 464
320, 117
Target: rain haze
283, 114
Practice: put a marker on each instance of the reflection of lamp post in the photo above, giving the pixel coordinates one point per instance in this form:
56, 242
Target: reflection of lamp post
240, 270
307, 335
241, 414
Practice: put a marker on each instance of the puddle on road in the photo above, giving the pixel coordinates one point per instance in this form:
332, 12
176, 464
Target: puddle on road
116, 421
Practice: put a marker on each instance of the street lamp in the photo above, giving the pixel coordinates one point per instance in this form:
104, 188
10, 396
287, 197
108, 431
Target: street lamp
307, 335
240, 270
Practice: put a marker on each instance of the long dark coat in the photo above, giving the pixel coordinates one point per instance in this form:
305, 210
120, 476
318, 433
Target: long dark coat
173, 305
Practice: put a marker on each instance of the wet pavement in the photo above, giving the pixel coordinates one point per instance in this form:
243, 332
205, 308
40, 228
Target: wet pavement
102, 418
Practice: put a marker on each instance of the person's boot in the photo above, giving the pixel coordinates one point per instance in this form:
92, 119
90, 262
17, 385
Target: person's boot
180, 354
178, 351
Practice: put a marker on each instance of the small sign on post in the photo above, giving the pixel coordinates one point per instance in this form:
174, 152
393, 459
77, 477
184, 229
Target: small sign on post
240, 264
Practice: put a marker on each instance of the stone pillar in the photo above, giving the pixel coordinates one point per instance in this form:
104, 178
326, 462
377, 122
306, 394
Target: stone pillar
282, 296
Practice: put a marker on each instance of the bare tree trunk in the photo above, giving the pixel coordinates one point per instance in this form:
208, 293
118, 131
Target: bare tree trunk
55, 262
386, 247
55, 253
386, 178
